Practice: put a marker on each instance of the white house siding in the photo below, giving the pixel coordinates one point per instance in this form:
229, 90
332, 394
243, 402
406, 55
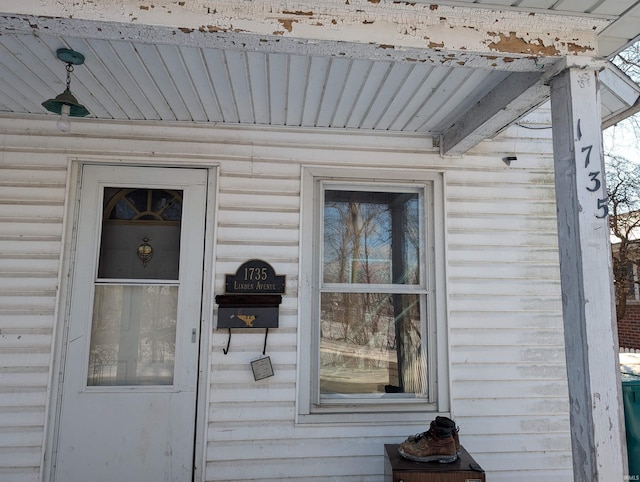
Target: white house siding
32, 195
507, 370
506, 336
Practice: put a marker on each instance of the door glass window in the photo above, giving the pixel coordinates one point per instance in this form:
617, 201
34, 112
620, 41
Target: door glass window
133, 336
140, 234
133, 331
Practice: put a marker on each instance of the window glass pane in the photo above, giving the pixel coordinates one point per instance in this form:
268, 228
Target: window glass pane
147, 204
371, 343
133, 335
140, 234
371, 237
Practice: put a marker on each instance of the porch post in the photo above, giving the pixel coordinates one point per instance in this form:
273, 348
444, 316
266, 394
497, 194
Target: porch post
591, 341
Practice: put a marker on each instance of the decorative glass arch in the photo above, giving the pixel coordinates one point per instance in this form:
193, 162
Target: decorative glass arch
135, 204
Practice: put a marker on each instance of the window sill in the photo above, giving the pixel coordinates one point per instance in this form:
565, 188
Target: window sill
396, 413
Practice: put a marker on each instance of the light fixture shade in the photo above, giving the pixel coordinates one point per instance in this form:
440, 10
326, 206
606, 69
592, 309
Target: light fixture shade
66, 98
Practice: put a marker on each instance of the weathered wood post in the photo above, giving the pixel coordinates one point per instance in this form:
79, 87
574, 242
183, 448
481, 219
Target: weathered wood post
591, 342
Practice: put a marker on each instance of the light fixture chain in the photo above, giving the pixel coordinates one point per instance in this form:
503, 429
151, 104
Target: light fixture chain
69, 70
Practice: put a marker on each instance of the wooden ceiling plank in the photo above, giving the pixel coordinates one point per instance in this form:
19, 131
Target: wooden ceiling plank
333, 89
368, 92
544, 4
146, 90
199, 73
466, 85
436, 101
297, 70
478, 84
236, 62
415, 78
502, 3
358, 70
259, 86
316, 82
388, 90
219, 75
613, 7
159, 72
627, 27
117, 81
37, 66
15, 100
186, 101
183, 81
418, 114
278, 81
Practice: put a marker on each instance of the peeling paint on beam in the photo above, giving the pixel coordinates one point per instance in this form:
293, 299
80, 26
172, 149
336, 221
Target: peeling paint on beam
406, 25
210, 36
515, 44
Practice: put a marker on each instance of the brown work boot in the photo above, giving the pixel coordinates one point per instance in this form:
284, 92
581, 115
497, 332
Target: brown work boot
448, 423
436, 444
442, 422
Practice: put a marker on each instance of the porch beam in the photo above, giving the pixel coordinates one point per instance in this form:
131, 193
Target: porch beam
514, 97
591, 345
497, 39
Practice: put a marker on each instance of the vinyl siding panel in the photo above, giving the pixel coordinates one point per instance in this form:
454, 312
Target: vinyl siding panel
32, 198
506, 347
236, 398
506, 338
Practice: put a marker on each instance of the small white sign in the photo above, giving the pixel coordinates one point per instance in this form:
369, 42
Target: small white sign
262, 368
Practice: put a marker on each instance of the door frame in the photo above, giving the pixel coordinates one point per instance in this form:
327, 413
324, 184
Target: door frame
63, 306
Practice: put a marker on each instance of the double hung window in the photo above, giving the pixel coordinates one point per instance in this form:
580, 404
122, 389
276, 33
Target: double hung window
371, 306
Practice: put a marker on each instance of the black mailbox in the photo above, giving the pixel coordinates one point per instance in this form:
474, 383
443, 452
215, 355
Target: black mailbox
252, 298
248, 311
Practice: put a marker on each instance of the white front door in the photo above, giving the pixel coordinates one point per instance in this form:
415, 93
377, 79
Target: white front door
128, 405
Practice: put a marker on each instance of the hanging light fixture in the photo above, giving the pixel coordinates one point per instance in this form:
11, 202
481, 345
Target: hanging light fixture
66, 104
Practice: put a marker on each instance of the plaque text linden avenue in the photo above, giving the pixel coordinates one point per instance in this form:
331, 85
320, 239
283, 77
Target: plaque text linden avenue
255, 277
252, 297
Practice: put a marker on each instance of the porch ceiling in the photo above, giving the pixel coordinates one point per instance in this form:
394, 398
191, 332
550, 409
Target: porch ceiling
147, 70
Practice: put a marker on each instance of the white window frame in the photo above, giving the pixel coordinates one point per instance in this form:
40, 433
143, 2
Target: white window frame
310, 407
